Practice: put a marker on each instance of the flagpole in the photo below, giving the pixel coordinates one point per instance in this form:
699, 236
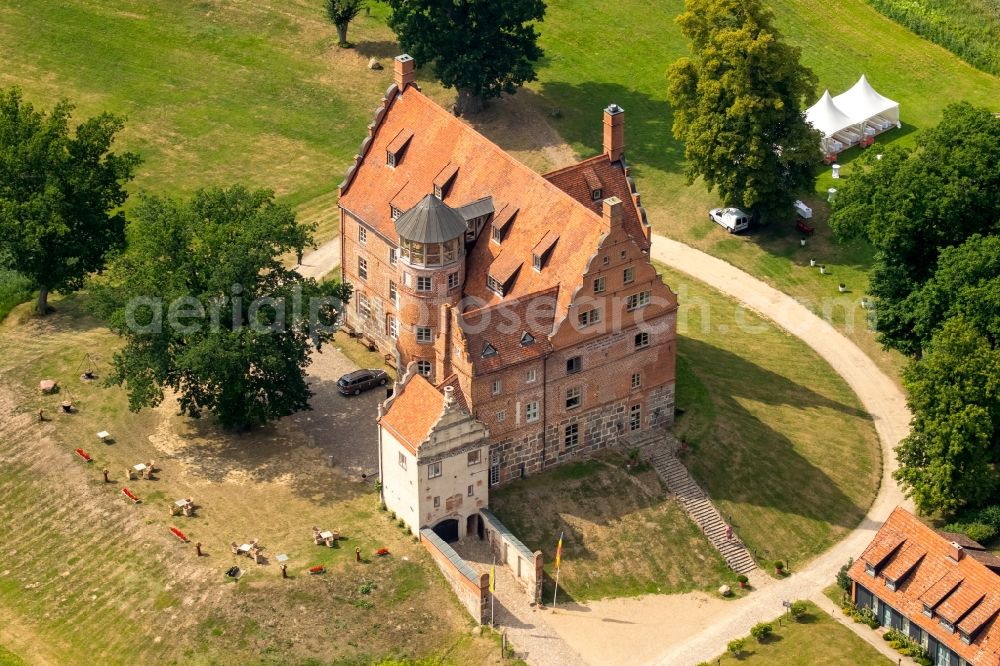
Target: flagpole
493, 592
555, 591
558, 568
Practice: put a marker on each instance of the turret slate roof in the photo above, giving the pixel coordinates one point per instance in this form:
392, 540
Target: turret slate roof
431, 221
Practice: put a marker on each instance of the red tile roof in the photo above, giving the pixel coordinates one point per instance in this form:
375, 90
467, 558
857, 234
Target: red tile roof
440, 139
577, 181
413, 411
965, 592
495, 326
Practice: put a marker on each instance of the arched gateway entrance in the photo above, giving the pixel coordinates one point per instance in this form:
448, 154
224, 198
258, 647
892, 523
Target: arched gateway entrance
447, 529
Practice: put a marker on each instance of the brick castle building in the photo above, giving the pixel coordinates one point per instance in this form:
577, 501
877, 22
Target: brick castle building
531, 295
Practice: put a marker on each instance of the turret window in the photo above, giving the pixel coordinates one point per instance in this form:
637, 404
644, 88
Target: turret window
424, 283
424, 335
452, 280
431, 254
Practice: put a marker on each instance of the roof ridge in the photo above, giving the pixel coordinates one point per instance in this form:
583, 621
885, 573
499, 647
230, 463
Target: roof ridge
438, 109
583, 162
514, 301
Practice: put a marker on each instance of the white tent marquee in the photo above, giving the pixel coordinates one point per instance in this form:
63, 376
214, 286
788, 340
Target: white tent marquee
862, 103
828, 119
848, 118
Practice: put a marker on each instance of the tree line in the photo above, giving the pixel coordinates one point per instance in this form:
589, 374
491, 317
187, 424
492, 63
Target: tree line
932, 214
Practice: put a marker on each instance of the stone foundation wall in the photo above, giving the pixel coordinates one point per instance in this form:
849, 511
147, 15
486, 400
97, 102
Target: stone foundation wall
524, 564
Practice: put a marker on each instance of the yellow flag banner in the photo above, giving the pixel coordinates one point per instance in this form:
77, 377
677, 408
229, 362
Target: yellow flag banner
559, 550
493, 578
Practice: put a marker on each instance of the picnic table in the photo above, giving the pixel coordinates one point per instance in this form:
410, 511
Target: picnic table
244, 549
326, 535
141, 467
183, 502
103, 435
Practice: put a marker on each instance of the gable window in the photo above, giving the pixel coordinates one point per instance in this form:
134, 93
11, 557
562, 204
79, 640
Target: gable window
574, 364
497, 387
622, 255
574, 397
628, 275
471, 491
437, 501
362, 235
489, 350
424, 368
640, 300
641, 340
595, 195
393, 255
599, 285
434, 470
424, 334
494, 285
589, 317
362, 268
502, 415
402, 460
424, 283
393, 294
531, 411
531, 376
452, 280
606, 260
475, 457
571, 435
636, 380
527, 339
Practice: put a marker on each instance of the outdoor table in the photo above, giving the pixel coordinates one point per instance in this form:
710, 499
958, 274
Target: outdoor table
326, 535
103, 435
181, 503
141, 467
245, 548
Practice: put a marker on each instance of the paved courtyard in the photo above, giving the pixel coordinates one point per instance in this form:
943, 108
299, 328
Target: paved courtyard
341, 426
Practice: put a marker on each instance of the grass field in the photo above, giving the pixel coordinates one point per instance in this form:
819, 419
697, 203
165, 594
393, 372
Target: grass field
816, 639
622, 535
88, 577
14, 290
777, 439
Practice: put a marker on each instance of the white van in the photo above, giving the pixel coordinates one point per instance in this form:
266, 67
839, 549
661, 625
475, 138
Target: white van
732, 220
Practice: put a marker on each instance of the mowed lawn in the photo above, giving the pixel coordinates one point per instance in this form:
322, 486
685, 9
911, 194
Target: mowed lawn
214, 92
622, 535
88, 577
595, 56
816, 639
777, 438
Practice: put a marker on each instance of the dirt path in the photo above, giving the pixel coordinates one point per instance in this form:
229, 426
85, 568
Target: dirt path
322, 260
688, 629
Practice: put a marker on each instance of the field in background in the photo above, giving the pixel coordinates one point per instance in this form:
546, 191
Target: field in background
87, 577
623, 536
778, 440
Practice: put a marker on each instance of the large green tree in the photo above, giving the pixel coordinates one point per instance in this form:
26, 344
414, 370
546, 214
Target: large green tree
60, 194
737, 103
341, 13
914, 203
950, 458
481, 47
209, 310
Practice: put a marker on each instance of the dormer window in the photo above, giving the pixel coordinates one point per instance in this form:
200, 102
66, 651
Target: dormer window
438, 192
870, 570
394, 151
890, 584
966, 638
395, 212
494, 285
594, 184
536, 262
442, 182
596, 195
947, 625
928, 611
489, 350
543, 248
497, 234
527, 339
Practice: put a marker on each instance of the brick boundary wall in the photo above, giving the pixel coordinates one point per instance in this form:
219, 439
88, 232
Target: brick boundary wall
524, 564
473, 591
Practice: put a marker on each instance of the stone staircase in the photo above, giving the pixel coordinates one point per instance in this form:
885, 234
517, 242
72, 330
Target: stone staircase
697, 504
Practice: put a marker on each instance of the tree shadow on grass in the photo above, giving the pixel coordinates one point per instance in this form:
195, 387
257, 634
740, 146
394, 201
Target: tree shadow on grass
648, 121
761, 466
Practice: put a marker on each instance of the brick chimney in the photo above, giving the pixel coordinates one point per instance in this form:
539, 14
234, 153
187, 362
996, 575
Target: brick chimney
612, 213
614, 132
403, 71
955, 551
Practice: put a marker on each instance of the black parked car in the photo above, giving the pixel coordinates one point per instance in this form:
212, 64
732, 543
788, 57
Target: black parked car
361, 380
